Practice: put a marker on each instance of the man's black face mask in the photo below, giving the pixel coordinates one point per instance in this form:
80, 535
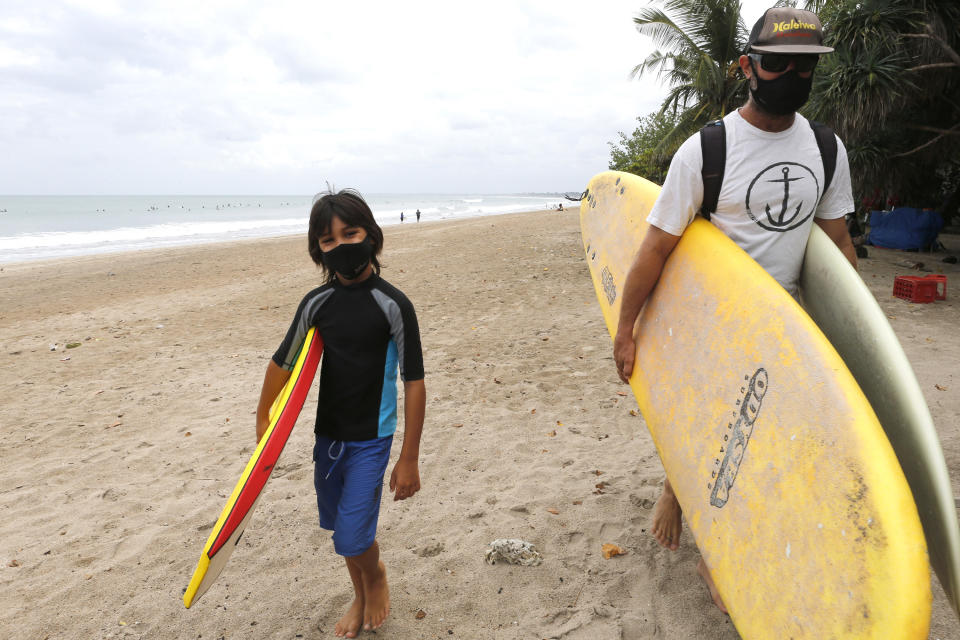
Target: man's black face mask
782, 95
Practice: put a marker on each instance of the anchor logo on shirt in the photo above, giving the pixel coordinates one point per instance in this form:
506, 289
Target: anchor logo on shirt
779, 222
779, 213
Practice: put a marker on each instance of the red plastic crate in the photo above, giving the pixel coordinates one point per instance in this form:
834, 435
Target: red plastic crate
920, 288
940, 279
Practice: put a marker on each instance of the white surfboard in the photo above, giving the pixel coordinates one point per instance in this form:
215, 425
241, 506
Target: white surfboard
845, 310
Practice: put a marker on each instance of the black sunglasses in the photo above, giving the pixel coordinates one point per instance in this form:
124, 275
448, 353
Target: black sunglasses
778, 62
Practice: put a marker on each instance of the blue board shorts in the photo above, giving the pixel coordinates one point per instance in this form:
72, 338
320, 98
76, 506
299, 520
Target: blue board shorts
348, 476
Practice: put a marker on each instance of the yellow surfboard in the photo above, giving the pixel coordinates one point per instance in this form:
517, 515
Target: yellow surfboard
791, 489
236, 513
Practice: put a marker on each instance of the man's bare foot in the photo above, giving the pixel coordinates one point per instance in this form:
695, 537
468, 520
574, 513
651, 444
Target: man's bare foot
349, 625
376, 594
666, 519
705, 574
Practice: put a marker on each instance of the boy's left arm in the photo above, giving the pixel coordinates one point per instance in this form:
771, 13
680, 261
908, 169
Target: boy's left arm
836, 228
405, 479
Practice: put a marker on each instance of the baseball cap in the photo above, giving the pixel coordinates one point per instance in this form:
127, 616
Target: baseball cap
787, 30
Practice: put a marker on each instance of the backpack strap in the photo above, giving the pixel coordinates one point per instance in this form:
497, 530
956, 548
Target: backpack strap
713, 145
827, 143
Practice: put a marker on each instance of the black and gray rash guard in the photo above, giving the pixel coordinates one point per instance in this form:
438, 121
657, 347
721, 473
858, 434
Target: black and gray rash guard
369, 330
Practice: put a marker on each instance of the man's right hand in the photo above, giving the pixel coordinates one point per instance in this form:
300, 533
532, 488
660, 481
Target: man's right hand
624, 352
641, 278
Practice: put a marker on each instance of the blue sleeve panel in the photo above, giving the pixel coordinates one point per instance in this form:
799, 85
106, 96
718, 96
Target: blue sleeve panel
403, 329
388, 398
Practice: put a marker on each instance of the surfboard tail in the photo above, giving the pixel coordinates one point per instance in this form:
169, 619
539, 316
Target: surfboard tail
246, 493
209, 568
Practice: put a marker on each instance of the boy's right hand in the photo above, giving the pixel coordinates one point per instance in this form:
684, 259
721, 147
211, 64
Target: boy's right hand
261, 429
273, 382
624, 352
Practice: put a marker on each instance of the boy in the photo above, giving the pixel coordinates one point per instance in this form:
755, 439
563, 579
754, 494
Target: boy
370, 330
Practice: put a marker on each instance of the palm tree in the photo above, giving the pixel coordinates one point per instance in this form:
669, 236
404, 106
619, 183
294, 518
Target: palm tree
892, 91
700, 42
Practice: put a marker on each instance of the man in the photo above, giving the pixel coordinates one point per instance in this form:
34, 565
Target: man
772, 192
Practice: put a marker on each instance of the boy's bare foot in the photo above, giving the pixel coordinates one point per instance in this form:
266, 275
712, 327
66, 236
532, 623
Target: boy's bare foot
349, 625
376, 599
666, 519
705, 573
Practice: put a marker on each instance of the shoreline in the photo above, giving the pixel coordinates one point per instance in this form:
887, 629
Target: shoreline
119, 458
201, 235
147, 252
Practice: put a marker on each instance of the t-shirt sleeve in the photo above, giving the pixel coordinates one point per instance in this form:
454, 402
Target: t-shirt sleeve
682, 193
407, 338
404, 330
285, 356
838, 200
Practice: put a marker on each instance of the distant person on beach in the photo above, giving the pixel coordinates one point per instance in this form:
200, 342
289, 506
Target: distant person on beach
370, 331
418, 215
560, 207
773, 162
401, 216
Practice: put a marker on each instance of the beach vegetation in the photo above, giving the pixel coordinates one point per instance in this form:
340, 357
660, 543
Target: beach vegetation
637, 153
699, 43
891, 90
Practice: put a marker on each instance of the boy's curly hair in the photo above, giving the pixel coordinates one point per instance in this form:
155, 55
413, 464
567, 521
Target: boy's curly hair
352, 209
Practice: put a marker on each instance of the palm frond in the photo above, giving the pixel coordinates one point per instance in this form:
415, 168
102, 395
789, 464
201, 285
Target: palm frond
659, 27
699, 42
855, 92
657, 62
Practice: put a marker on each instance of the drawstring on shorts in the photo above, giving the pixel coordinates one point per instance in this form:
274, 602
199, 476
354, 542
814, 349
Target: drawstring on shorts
336, 459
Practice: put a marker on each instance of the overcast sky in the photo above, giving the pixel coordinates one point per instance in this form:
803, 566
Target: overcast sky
244, 97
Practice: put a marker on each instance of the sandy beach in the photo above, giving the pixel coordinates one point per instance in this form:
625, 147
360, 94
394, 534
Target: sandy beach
118, 454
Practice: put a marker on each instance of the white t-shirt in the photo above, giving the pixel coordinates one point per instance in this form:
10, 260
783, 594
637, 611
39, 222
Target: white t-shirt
771, 191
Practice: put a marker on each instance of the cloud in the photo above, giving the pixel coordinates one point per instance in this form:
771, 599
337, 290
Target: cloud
247, 97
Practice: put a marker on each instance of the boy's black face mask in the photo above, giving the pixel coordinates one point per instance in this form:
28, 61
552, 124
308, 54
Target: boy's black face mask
782, 95
349, 260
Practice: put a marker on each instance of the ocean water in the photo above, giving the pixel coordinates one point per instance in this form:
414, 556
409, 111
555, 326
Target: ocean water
46, 227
